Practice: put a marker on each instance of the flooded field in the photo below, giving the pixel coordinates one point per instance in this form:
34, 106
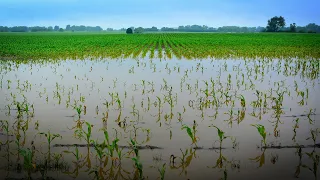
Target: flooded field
160, 119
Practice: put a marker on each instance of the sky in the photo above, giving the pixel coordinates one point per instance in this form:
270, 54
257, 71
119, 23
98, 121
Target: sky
159, 13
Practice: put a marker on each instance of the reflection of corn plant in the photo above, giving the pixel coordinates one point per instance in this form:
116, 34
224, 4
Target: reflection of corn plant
220, 134
262, 132
5, 126
136, 159
315, 158
162, 171
260, 159
296, 125
311, 112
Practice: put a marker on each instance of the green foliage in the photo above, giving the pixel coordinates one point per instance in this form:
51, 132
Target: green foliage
24, 46
261, 131
220, 134
162, 171
275, 23
129, 31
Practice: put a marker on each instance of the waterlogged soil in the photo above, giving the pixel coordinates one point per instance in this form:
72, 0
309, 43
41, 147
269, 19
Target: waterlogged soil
149, 101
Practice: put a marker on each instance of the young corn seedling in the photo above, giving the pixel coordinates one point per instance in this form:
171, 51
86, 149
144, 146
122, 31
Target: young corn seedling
191, 134
76, 154
220, 134
262, 132
27, 163
242, 101
50, 137
99, 150
111, 147
79, 110
83, 134
136, 159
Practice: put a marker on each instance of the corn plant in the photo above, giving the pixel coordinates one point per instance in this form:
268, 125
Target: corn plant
136, 159
191, 134
81, 133
221, 135
111, 146
262, 132
27, 163
76, 154
50, 137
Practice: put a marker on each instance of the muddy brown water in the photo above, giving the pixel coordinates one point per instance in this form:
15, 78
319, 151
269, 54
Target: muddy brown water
54, 87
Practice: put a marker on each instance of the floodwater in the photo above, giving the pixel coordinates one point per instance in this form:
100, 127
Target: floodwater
149, 101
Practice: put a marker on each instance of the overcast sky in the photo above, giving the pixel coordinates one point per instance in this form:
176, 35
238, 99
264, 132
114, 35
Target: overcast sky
159, 13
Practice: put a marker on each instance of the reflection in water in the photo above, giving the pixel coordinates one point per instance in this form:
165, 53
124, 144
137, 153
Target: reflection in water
146, 119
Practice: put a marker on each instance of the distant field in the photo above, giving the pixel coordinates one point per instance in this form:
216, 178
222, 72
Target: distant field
181, 45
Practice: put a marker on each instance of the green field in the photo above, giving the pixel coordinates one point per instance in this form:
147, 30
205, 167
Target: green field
25, 46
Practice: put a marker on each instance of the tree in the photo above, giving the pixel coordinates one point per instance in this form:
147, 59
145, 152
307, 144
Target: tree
68, 28
293, 27
56, 28
129, 31
139, 30
50, 28
60, 30
275, 23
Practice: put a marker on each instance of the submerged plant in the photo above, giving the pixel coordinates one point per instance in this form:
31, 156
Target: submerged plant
162, 171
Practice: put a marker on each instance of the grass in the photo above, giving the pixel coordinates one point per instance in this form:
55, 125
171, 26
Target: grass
23, 46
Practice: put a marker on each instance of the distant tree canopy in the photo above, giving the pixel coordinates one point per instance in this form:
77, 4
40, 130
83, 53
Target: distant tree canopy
275, 23
139, 30
83, 28
293, 27
129, 31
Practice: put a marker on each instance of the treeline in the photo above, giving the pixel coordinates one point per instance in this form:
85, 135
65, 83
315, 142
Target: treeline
310, 28
49, 29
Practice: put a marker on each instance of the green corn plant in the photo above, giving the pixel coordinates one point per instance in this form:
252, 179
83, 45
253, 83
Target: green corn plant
76, 154
262, 132
162, 171
113, 146
83, 134
79, 110
99, 148
50, 137
136, 159
242, 101
27, 163
220, 134
191, 134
